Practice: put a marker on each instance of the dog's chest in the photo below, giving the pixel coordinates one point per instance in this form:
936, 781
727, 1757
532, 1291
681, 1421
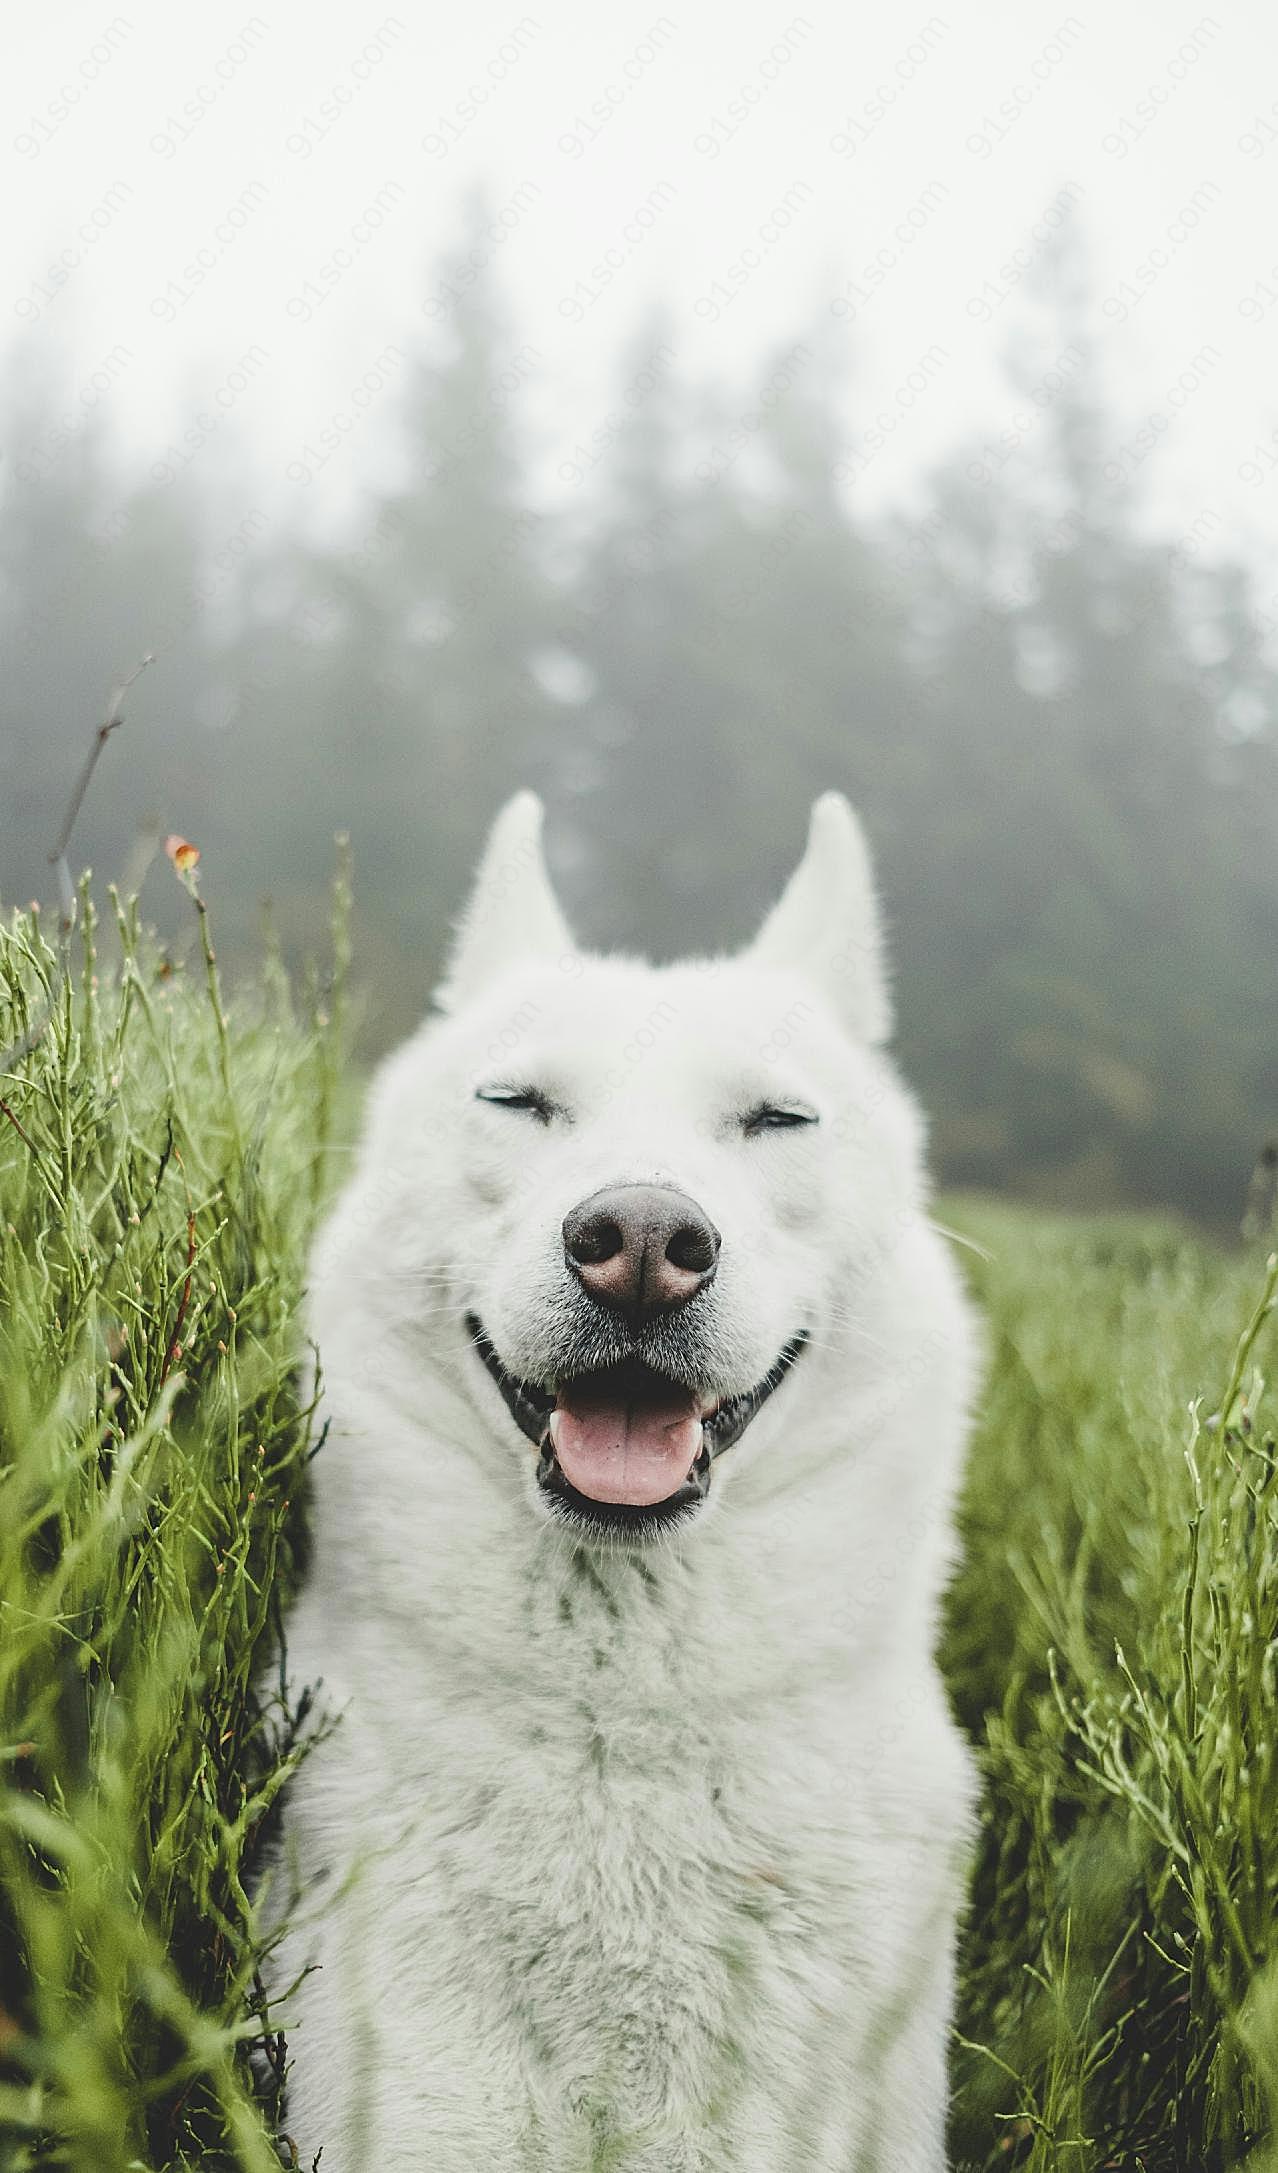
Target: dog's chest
646, 1884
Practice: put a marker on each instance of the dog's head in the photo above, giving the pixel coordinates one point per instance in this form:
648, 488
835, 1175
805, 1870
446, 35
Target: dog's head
633, 1208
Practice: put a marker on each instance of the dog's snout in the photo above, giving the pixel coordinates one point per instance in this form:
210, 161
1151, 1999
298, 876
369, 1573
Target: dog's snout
642, 1249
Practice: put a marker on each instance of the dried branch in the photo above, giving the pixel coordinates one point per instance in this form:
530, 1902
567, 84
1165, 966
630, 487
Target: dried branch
58, 856
21, 1130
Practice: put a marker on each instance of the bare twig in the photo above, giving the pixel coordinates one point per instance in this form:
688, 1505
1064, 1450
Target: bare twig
112, 722
22, 1133
58, 856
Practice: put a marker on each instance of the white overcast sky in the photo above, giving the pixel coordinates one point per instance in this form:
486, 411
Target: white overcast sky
1161, 122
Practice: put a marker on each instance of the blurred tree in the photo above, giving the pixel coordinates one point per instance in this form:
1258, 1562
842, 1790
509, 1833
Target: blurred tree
94, 572
1110, 1043
727, 613
397, 679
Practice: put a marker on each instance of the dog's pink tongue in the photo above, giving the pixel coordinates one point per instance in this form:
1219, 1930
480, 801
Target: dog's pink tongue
634, 1452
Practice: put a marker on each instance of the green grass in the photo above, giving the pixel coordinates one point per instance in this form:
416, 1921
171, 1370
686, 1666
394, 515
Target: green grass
1110, 1639
1111, 1650
160, 1171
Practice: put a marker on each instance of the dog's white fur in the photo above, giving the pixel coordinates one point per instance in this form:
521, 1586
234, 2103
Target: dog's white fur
636, 1855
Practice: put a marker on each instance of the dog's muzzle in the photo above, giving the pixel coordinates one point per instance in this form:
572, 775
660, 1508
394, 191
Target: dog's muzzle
625, 1448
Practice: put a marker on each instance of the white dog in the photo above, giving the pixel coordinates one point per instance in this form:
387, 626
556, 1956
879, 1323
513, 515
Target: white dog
641, 1841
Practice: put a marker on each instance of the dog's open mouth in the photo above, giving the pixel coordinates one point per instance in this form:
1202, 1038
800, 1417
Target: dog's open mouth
626, 1447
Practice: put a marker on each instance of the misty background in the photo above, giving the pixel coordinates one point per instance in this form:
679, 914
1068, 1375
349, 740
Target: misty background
680, 415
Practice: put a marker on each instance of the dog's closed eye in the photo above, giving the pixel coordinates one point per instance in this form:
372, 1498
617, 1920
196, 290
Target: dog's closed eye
777, 1117
529, 1100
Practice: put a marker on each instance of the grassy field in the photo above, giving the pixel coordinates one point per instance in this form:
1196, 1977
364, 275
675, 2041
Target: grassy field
1110, 1641
160, 1171
1111, 1650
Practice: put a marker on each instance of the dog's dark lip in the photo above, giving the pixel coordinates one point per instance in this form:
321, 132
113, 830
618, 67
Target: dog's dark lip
530, 1405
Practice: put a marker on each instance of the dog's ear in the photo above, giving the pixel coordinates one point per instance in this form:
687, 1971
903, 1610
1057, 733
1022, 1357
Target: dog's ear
512, 913
827, 922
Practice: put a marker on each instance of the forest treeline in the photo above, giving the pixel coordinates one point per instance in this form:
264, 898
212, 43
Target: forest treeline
1058, 724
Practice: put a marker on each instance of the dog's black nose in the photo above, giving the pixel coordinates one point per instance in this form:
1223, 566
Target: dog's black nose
642, 1249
